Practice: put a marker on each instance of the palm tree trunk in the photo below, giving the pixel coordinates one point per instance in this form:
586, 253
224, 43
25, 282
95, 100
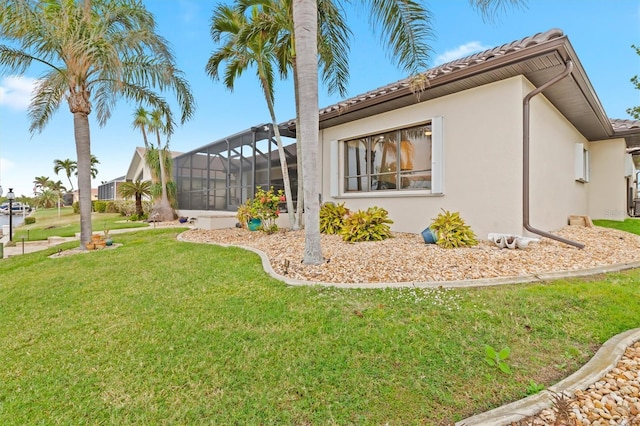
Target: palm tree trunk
305, 18
83, 151
163, 212
300, 204
283, 158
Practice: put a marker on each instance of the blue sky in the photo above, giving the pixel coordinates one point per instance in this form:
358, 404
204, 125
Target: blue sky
601, 32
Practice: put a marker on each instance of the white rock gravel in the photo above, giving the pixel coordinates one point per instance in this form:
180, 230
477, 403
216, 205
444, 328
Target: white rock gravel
406, 258
612, 400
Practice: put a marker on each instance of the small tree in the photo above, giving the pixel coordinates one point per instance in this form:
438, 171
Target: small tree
136, 190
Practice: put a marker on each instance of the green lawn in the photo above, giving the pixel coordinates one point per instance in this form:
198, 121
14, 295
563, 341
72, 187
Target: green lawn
50, 222
165, 332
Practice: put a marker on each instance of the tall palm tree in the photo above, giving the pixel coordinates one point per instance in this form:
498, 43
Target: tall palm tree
158, 159
93, 52
407, 40
40, 183
305, 18
136, 190
69, 166
141, 121
276, 22
241, 51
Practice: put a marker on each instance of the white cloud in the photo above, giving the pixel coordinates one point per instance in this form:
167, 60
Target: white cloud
460, 52
15, 91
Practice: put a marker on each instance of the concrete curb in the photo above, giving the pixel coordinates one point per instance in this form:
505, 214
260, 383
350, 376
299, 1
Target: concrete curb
604, 360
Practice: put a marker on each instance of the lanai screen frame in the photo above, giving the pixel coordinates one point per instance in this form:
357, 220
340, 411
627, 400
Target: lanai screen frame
225, 173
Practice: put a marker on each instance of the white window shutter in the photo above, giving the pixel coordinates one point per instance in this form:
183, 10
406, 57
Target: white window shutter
437, 156
334, 169
579, 161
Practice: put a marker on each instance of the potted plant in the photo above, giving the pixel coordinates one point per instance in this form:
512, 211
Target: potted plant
107, 239
244, 214
265, 207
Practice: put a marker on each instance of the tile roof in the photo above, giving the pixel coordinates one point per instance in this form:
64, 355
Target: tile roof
448, 68
621, 125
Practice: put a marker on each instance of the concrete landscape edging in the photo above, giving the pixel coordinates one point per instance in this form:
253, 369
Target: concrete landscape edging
603, 361
482, 282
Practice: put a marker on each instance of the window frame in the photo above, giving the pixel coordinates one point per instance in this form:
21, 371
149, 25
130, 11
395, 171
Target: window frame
582, 163
338, 177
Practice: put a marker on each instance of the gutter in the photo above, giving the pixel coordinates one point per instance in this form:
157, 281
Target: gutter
525, 158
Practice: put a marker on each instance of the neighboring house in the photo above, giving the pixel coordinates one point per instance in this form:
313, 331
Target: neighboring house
138, 170
94, 194
454, 138
110, 190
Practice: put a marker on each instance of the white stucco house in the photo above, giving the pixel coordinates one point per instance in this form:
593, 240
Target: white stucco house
514, 138
138, 170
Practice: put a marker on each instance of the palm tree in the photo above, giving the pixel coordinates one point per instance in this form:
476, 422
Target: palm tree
136, 190
305, 18
94, 52
69, 166
46, 199
239, 52
141, 121
158, 159
407, 25
94, 170
40, 183
272, 21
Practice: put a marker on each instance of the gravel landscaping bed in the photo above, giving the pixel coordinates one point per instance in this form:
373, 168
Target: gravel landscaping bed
406, 258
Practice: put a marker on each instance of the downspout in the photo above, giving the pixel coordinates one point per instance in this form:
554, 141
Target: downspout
525, 158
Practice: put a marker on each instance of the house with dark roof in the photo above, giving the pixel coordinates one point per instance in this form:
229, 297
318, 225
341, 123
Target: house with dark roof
514, 138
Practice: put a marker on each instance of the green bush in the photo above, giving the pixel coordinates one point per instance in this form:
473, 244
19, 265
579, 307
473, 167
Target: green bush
370, 225
29, 220
452, 231
76, 207
332, 217
134, 217
99, 206
112, 207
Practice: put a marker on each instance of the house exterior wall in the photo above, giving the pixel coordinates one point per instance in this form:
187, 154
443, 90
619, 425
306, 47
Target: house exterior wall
555, 193
482, 130
608, 189
482, 142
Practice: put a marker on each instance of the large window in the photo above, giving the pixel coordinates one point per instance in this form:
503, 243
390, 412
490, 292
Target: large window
391, 161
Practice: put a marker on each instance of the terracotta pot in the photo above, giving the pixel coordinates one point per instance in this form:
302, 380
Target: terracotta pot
90, 246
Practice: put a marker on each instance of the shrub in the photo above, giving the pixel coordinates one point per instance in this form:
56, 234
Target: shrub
265, 206
112, 207
244, 214
332, 217
76, 207
134, 217
452, 231
29, 220
369, 225
99, 206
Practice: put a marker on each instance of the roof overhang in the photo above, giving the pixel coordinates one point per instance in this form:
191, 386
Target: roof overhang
538, 58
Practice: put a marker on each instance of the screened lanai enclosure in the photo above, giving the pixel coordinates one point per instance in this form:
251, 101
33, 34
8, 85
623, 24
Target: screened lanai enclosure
225, 173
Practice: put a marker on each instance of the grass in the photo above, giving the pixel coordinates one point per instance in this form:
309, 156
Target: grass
159, 331
628, 225
67, 224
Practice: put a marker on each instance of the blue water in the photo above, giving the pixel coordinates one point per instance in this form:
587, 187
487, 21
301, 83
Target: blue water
17, 219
